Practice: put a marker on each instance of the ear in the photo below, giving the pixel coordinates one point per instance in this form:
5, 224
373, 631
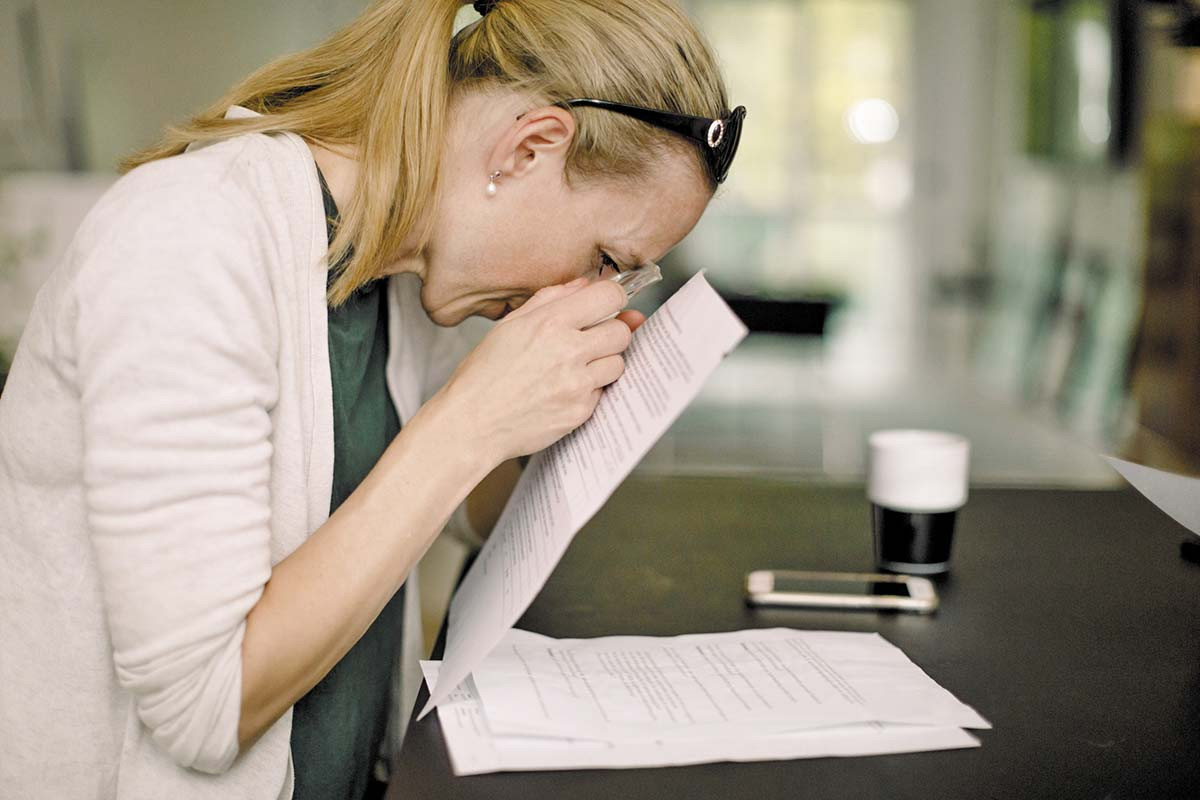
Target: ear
537, 138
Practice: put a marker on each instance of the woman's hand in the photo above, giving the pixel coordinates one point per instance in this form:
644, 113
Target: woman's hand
539, 373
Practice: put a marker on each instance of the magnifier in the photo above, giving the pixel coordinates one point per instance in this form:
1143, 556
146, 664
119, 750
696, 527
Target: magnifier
634, 280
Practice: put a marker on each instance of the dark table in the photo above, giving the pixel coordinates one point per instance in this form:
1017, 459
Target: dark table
1069, 621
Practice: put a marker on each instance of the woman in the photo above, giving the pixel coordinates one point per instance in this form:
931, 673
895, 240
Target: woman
220, 458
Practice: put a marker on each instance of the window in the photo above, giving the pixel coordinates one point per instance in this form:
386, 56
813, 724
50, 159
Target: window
816, 200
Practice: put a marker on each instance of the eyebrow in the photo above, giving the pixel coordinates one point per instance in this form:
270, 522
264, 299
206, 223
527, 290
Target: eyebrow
628, 259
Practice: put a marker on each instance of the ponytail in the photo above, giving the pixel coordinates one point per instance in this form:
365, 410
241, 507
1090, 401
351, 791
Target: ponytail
401, 141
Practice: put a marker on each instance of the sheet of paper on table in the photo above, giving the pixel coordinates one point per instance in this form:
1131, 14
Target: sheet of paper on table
476, 747
722, 685
563, 486
1178, 496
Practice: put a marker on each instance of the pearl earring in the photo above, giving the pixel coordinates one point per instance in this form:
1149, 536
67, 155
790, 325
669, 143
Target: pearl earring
491, 186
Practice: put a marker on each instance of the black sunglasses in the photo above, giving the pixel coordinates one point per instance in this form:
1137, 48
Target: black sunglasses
718, 138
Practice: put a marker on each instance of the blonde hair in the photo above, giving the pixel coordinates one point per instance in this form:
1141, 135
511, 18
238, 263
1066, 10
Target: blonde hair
382, 86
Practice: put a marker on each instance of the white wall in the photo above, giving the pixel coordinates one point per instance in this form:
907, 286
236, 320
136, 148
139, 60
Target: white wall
127, 67
955, 45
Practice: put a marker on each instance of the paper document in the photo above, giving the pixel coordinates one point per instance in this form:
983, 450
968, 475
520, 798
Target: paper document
475, 748
1178, 496
563, 486
713, 685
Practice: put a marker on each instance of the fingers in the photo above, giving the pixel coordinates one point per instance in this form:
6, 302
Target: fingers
548, 295
584, 307
593, 401
606, 370
605, 339
633, 319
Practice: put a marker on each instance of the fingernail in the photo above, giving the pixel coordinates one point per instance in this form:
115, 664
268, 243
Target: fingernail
577, 282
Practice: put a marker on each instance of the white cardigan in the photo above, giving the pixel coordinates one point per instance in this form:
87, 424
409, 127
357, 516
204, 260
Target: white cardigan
166, 437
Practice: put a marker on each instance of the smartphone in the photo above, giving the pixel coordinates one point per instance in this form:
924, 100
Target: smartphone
853, 590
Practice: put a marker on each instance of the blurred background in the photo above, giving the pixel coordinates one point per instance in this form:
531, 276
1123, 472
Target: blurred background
974, 215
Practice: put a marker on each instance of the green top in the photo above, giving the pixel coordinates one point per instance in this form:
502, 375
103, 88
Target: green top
337, 728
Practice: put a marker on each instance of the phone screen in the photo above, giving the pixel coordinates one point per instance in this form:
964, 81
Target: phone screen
809, 586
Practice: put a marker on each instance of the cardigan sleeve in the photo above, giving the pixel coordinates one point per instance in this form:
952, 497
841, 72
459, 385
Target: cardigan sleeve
176, 344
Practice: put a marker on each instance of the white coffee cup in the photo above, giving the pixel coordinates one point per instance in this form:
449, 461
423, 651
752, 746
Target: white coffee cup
916, 482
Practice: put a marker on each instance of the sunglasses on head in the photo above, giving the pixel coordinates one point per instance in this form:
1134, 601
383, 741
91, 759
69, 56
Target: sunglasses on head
718, 138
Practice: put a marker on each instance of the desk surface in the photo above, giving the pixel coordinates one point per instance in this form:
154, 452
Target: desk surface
781, 407
1069, 621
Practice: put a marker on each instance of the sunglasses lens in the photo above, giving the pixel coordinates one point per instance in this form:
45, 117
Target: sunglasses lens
699, 129
721, 157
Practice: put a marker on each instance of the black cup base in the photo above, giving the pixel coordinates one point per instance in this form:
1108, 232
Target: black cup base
912, 543
913, 569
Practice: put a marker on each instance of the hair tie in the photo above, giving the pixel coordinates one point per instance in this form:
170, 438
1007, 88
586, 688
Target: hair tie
484, 6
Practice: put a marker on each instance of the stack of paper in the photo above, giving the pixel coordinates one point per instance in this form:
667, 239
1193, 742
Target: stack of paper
633, 701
